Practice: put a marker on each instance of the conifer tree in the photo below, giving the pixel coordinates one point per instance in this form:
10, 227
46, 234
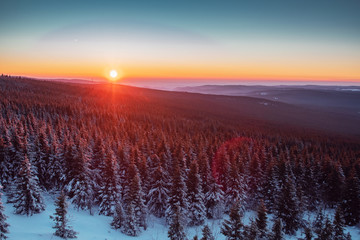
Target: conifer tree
130, 226
319, 221
195, 198
207, 234
338, 224
4, 162
327, 232
81, 187
56, 168
261, 220
42, 156
158, 194
351, 200
136, 200
61, 220
277, 232
176, 227
214, 200
27, 196
235, 186
251, 232
4, 226
177, 196
119, 217
108, 193
287, 205
232, 229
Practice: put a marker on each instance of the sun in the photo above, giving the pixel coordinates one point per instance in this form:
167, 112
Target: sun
113, 74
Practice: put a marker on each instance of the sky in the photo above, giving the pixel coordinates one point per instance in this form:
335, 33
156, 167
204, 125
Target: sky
278, 40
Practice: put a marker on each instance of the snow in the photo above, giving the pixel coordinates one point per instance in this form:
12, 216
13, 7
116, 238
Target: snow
97, 227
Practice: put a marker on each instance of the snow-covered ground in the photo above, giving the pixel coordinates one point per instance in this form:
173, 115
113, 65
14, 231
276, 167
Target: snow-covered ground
97, 227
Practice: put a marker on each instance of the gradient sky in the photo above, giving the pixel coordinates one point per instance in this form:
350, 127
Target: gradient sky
260, 40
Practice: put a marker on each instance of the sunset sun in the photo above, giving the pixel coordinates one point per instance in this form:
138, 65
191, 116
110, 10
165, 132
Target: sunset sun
113, 74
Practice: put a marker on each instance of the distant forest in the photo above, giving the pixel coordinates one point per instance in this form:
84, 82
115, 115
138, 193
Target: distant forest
128, 152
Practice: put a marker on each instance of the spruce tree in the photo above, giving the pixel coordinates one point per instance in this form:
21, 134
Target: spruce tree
232, 229
176, 228
351, 200
261, 221
319, 221
80, 188
338, 224
27, 196
177, 196
158, 194
130, 226
195, 197
235, 186
327, 232
56, 168
287, 205
108, 192
4, 162
119, 217
136, 200
4, 226
207, 234
277, 232
251, 232
61, 220
42, 156
214, 200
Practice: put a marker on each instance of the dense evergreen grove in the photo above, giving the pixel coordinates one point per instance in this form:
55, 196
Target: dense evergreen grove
126, 153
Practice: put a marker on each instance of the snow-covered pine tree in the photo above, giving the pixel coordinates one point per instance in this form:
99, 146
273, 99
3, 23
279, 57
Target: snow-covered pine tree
80, 188
158, 194
235, 187
261, 221
277, 231
214, 200
130, 225
119, 217
176, 228
63, 230
335, 184
4, 226
4, 162
207, 234
97, 165
319, 221
338, 224
351, 200
56, 168
135, 197
42, 159
17, 150
108, 193
270, 188
327, 232
177, 196
27, 197
287, 205
232, 229
251, 232
195, 197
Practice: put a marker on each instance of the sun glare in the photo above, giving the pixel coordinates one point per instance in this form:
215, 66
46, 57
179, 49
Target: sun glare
113, 74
